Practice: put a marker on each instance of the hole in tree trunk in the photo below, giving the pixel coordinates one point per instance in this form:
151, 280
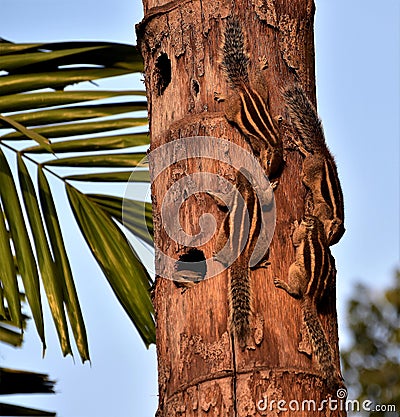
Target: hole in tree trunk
163, 73
191, 268
195, 87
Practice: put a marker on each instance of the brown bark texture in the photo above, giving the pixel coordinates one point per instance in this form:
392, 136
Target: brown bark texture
202, 372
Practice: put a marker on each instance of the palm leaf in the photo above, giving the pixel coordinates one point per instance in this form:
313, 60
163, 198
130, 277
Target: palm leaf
114, 160
23, 250
8, 279
87, 128
15, 410
10, 332
14, 381
11, 336
29, 134
104, 143
135, 215
61, 262
20, 102
72, 114
19, 382
51, 277
127, 277
121, 176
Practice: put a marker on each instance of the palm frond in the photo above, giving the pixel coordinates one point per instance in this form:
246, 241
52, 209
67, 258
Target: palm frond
15, 410
10, 335
78, 131
14, 381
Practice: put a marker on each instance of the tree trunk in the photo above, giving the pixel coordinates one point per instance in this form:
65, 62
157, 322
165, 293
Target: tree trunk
202, 371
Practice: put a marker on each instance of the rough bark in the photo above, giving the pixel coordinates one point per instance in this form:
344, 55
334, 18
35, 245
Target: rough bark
200, 371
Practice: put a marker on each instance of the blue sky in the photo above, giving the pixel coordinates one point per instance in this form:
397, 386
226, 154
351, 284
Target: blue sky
357, 57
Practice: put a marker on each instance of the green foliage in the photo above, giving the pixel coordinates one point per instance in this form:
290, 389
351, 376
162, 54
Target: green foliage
44, 128
372, 363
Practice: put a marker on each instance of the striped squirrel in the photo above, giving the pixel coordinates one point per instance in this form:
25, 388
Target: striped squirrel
247, 106
319, 167
310, 276
236, 240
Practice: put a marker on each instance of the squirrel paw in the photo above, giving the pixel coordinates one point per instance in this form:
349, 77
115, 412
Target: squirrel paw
218, 97
263, 61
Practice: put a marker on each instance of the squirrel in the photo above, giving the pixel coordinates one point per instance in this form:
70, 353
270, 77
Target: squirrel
235, 245
310, 276
319, 168
247, 106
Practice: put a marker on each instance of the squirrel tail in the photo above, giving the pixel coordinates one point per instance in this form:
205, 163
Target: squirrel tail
321, 348
240, 305
234, 58
305, 119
